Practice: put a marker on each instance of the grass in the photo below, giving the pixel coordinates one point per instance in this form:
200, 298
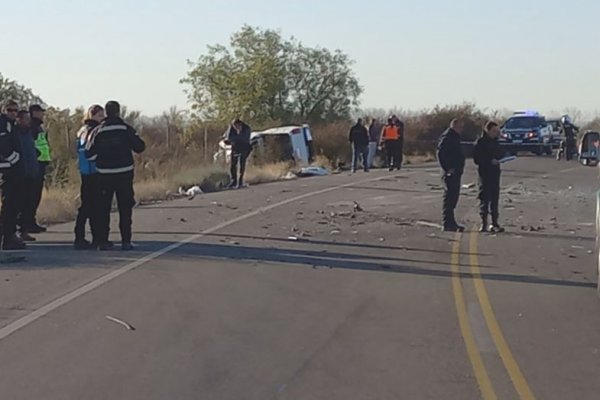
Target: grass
60, 204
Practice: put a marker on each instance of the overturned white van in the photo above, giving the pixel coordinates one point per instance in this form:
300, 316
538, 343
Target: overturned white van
291, 143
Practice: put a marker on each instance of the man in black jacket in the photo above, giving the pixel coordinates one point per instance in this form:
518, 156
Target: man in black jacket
27, 175
359, 138
9, 158
487, 154
40, 137
238, 136
452, 160
111, 148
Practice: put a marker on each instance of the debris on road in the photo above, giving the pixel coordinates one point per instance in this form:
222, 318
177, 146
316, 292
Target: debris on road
429, 224
312, 171
357, 207
183, 220
468, 185
120, 322
335, 232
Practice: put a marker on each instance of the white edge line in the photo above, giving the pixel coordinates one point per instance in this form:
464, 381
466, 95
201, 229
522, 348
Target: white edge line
96, 283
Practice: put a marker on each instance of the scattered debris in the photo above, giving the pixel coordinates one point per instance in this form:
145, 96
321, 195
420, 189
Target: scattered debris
120, 322
335, 232
183, 220
357, 207
429, 224
532, 228
432, 235
590, 252
289, 176
577, 247
382, 239
468, 185
190, 192
312, 171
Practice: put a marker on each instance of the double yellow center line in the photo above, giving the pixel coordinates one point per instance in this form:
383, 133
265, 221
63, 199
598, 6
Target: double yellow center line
511, 365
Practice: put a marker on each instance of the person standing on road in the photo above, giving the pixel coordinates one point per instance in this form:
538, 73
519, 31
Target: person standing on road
452, 160
111, 148
390, 135
9, 158
238, 137
40, 137
359, 138
90, 193
487, 154
27, 175
569, 130
400, 145
374, 138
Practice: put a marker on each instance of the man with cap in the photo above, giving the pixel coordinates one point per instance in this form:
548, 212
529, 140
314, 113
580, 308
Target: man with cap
40, 137
9, 160
112, 147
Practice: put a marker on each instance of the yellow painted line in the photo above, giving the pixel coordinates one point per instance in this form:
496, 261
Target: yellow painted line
483, 379
511, 365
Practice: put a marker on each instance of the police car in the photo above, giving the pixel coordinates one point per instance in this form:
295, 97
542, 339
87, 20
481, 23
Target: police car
527, 131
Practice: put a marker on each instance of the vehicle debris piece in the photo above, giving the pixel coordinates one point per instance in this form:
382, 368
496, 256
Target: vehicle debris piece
120, 322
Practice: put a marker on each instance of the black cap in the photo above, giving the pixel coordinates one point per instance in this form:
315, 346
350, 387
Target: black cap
35, 108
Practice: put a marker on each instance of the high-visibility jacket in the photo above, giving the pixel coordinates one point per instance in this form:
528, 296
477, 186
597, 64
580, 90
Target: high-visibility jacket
391, 132
41, 140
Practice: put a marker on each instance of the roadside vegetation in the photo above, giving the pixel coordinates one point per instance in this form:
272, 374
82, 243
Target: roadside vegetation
266, 80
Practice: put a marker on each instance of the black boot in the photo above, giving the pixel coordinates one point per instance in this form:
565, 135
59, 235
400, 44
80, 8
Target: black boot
484, 224
496, 228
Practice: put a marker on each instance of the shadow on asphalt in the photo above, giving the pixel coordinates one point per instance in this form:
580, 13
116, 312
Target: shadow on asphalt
60, 255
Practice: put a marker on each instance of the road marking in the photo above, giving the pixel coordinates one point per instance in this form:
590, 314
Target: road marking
96, 283
511, 365
481, 374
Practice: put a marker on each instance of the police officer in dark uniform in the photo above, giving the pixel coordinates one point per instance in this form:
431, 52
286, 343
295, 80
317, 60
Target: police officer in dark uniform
569, 144
111, 148
452, 160
487, 154
238, 136
9, 158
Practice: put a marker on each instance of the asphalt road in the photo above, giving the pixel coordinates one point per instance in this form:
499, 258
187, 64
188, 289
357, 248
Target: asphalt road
285, 291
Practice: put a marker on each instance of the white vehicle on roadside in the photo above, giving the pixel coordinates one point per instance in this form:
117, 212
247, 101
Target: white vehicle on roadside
294, 142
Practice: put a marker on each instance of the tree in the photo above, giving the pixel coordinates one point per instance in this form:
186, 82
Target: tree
263, 78
321, 83
11, 90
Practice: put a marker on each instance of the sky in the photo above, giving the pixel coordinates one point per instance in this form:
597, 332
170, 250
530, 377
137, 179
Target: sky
409, 54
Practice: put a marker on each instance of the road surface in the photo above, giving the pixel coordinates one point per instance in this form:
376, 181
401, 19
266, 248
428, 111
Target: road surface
286, 291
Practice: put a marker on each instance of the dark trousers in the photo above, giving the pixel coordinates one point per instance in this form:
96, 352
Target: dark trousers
120, 185
238, 156
27, 195
10, 206
489, 195
451, 196
38, 189
400, 152
90, 196
391, 153
360, 152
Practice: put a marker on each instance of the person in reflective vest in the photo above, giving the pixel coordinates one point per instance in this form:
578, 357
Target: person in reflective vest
390, 136
40, 136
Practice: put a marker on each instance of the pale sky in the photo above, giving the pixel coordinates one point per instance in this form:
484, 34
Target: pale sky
410, 54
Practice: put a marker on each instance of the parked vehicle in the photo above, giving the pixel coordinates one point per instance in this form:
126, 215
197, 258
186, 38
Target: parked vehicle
286, 143
527, 131
588, 148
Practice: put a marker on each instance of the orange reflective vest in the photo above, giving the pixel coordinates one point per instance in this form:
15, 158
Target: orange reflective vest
391, 132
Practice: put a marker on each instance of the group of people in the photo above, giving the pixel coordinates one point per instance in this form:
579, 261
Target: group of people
105, 145
487, 155
367, 139
24, 157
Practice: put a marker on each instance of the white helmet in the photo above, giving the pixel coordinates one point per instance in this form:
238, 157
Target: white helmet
566, 120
